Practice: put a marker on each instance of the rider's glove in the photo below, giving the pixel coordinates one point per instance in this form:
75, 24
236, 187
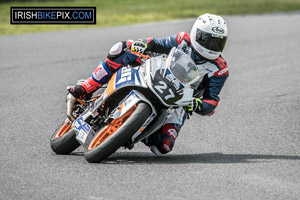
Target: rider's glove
194, 106
77, 91
139, 46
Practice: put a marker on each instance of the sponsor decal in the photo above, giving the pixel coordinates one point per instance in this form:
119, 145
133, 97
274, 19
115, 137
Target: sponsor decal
167, 148
185, 48
174, 80
99, 68
53, 15
87, 84
99, 73
222, 72
202, 20
207, 69
218, 30
124, 76
213, 52
173, 133
127, 76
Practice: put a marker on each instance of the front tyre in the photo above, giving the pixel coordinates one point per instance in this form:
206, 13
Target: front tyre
111, 137
63, 140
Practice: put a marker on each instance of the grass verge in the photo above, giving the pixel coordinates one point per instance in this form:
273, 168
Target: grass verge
124, 12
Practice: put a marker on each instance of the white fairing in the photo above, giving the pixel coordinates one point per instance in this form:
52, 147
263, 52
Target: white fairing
157, 75
160, 65
128, 102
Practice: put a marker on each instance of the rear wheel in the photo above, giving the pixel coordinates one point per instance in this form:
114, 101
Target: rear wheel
112, 136
63, 140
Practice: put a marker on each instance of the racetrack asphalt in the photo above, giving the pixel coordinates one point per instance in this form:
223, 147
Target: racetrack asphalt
249, 149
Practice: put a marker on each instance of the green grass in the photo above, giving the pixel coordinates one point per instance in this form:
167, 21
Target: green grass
123, 12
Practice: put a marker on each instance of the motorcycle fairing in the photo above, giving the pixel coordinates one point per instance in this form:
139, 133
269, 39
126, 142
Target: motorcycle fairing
133, 98
125, 76
167, 88
84, 137
165, 85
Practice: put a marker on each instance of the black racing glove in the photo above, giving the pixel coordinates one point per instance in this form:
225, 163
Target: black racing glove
78, 92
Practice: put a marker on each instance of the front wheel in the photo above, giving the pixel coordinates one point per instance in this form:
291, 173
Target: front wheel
63, 140
112, 136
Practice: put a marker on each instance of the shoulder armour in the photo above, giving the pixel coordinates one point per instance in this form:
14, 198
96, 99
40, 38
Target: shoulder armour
222, 65
183, 36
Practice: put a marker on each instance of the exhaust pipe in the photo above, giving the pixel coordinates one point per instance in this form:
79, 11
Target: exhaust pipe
70, 104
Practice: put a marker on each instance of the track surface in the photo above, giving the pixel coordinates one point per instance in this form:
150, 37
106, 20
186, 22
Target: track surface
248, 150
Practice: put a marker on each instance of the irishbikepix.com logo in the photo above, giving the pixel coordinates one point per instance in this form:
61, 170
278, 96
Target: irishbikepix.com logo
53, 15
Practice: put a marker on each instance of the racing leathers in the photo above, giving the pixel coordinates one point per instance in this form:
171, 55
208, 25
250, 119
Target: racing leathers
214, 73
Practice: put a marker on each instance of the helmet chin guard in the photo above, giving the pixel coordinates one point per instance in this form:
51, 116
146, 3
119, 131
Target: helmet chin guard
208, 36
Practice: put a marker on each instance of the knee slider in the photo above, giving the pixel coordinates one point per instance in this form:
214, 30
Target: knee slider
171, 134
167, 145
163, 143
166, 140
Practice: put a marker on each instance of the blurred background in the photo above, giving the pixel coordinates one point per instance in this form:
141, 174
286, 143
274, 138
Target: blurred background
124, 12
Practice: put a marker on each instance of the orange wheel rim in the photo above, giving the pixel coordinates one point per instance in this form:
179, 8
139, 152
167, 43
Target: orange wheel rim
110, 129
65, 128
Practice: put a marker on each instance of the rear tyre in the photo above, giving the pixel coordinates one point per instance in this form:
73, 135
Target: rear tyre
63, 140
111, 137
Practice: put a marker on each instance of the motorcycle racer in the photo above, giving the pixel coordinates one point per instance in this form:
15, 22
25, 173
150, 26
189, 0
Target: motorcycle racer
204, 45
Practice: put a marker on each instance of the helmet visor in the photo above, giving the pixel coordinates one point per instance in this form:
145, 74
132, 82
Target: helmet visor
210, 41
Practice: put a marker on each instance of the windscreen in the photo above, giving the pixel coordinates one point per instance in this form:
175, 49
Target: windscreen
183, 67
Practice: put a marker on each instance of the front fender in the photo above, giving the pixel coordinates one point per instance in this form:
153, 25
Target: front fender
133, 98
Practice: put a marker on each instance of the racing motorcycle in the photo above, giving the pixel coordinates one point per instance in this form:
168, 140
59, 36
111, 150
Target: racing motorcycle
135, 104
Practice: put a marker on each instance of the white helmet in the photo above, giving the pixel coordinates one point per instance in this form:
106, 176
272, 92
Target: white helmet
209, 35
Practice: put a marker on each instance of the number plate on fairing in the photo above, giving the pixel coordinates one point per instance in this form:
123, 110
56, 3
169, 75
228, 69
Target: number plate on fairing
82, 128
167, 87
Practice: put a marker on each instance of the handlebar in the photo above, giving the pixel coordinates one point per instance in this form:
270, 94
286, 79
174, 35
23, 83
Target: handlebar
141, 55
